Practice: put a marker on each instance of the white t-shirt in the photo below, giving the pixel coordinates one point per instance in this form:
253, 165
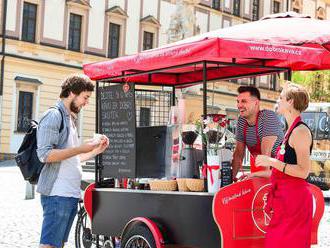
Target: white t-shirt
69, 177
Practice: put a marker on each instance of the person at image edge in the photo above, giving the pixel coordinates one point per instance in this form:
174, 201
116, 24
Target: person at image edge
290, 200
60, 178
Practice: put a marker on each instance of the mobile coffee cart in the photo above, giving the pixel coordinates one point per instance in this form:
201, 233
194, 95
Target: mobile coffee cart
234, 216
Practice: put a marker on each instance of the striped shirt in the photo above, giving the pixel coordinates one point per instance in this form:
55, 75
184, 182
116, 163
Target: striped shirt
48, 138
268, 125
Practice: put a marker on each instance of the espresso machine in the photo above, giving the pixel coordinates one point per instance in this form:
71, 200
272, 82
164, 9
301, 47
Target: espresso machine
188, 165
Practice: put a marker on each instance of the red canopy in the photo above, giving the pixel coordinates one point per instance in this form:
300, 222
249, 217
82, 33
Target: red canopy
283, 41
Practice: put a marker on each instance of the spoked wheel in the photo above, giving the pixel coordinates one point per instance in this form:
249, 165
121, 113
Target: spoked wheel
83, 233
138, 236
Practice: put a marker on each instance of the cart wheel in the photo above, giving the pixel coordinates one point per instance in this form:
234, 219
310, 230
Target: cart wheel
139, 236
83, 233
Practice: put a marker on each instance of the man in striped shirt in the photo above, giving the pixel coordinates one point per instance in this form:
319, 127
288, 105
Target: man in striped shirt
258, 130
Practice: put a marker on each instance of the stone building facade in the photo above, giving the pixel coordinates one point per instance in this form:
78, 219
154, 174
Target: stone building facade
42, 41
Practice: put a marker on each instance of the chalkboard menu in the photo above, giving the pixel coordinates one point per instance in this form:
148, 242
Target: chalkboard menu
117, 122
226, 174
319, 123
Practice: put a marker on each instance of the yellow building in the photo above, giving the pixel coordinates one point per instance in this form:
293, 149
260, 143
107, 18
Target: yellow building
45, 40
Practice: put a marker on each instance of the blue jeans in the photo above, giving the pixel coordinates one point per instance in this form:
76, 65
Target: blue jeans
58, 216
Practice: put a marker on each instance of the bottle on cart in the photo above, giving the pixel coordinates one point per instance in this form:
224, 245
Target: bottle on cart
117, 242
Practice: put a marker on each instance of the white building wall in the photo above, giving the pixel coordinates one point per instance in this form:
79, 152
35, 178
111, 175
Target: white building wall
120, 3
236, 21
96, 24
166, 11
321, 4
215, 21
267, 8
150, 8
11, 15
201, 21
54, 19
246, 7
309, 8
227, 3
327, 11
133, 26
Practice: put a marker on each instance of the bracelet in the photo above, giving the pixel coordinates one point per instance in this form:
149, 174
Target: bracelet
285, 164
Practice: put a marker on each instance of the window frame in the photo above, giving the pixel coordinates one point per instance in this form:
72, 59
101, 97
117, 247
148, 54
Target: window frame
26, 84
276, 4
145, 39
27, 20
23, 126
237, 11
117, 15
255, 10
110, 45
151, 25
71, 46
216, 4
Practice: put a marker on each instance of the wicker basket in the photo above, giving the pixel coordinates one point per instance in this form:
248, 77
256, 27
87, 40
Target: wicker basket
163, 185
194, 184
182, 184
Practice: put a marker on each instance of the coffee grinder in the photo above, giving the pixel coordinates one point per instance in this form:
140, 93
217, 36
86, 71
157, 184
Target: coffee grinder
188, 167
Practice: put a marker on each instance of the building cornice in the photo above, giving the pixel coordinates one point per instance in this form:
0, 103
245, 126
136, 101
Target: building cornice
78, 3
117, 10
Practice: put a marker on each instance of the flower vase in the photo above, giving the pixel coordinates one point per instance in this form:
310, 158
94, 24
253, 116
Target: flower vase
213, 173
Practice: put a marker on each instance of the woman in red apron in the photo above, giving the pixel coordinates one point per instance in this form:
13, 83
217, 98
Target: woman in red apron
290, 200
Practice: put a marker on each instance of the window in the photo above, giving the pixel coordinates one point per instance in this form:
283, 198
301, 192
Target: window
237, 6
75, 32
25, 106
255, 10
148, 40
273, 80
226, 23
29, 22
253, 81
144, 117
216, 4
276, 7
227, 4
114, 35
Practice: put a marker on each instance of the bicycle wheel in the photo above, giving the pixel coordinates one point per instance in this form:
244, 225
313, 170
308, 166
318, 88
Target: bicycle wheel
139, 236
83, 232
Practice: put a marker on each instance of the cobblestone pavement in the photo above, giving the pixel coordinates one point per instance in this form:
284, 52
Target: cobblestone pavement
20, 219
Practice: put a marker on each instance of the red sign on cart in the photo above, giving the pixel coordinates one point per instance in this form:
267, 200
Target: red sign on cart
240, 213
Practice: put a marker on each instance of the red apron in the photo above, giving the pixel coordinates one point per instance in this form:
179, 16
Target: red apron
291, 204
254, 150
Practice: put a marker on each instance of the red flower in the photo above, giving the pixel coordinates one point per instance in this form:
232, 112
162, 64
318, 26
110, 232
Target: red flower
216, 118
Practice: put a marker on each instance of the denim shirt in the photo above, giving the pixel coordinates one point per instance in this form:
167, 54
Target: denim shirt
48, 138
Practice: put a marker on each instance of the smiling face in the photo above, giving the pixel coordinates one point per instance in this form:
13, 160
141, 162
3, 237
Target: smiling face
79, 101
247, 105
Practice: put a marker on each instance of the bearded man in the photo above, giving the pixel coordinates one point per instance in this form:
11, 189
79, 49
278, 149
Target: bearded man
59, 148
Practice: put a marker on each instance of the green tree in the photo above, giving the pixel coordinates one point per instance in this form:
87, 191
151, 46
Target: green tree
316, 82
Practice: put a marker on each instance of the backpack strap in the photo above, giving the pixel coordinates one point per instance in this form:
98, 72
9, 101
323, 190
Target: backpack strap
62, 122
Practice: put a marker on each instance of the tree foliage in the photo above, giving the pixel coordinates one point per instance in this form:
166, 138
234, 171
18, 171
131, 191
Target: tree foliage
316, 82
